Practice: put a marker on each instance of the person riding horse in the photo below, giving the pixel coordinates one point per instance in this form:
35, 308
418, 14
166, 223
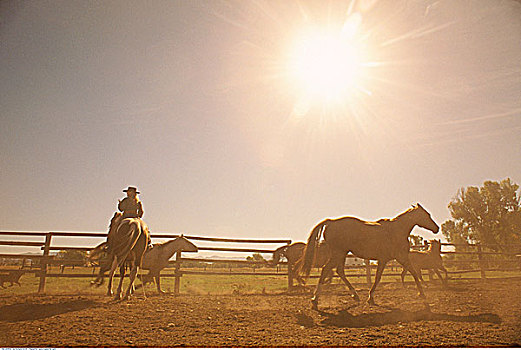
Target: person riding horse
131, 207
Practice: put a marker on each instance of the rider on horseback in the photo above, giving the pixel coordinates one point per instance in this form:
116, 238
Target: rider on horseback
131, 207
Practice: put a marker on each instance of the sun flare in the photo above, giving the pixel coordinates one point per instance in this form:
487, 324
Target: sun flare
325, 66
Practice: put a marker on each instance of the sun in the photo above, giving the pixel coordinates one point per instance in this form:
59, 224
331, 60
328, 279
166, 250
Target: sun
325, 66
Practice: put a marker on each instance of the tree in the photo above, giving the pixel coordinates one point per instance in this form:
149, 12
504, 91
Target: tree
256, 257
72, 255
489, 215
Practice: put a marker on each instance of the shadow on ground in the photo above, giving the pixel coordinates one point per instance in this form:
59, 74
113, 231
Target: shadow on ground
345, 319
29, 312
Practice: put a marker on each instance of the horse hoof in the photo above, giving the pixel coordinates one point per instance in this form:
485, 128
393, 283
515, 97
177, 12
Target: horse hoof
314, 305
371, 302
356, 298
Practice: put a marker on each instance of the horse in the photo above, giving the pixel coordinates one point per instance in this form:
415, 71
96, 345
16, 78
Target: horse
431, 259
294, 253
12, 277
127, 242
384, 240
154, 260
157, 257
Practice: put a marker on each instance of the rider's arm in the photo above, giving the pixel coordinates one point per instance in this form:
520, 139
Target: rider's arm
122, 204
140, 210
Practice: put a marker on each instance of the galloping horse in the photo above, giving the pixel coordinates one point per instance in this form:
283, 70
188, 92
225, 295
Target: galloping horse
294, 253
154, 260
384, 240
127, 241
430, 259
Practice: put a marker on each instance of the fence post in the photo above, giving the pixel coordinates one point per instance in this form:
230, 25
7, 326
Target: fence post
368, 271
481, 263
43, 262
177, 281
290, 275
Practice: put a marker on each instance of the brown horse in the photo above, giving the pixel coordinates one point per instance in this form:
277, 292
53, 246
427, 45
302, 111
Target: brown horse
383, 241
154, 260
430, 259
294, 253
127, 242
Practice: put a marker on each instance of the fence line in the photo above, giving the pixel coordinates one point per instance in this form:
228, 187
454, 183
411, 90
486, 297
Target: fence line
46, 260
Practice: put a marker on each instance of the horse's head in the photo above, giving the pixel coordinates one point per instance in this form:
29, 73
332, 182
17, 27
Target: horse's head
423, 218
277, 254
185, 245
95, 255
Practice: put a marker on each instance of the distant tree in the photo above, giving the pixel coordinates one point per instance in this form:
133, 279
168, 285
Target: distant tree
490, 214
72, 255
256, 257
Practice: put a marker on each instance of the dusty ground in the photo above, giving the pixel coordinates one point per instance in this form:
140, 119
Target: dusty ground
467, 314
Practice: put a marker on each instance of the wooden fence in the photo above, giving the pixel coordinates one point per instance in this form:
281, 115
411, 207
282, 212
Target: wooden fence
479, 261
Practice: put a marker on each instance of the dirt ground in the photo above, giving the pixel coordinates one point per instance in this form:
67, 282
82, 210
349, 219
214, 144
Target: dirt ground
467, 314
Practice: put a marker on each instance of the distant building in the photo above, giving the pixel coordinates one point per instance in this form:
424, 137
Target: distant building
354, 261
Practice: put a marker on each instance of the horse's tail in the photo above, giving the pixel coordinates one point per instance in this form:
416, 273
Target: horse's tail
134, 233
309, 253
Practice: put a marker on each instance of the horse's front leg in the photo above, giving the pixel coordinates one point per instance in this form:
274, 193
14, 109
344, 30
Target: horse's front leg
443, 281
378, 277
295, 273
406, 263
157, 279
442, 268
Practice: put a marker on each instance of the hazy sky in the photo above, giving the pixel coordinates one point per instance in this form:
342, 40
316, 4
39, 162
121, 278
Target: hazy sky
191, 101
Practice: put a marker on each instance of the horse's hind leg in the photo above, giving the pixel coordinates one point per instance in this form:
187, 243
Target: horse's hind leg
120, 284
325, 272
407, 265
111, 276
404, 272
132, 277
341, 272
379, 271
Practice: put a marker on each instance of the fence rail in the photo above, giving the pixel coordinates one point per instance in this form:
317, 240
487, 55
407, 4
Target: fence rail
482, 259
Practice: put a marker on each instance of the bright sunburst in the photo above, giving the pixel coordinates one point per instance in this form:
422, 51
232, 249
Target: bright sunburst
325, 65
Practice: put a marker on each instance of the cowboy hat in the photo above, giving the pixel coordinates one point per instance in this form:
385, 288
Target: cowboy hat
130, 188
